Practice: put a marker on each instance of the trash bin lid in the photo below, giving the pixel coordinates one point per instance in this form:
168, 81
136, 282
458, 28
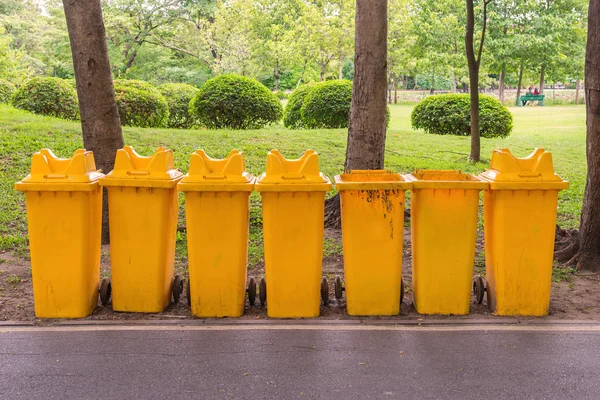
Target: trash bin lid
298, 175
535, 171
378, 179
445, 179
50, 173
210, 174
133, 170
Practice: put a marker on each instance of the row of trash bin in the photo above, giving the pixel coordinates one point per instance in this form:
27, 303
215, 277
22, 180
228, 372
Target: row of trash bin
64, 201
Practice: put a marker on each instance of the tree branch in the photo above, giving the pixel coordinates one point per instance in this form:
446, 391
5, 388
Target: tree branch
483, 29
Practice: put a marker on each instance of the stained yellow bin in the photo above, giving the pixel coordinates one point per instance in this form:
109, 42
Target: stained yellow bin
64, 212
372, 206
293, 201
519, 226
217, 199
444, 207
142, 201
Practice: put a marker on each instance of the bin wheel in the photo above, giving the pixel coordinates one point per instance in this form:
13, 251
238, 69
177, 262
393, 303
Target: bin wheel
262, 292
401, 290
189, 294
339, 289
478, 289
177, 288
325, 291
105, 291
251, 291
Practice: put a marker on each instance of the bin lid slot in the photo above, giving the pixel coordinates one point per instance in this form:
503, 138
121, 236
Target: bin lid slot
537, 167
130, 165
301, 171
45, 166
230, 169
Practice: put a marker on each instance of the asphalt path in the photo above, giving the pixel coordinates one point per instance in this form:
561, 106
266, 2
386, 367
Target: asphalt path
304, 361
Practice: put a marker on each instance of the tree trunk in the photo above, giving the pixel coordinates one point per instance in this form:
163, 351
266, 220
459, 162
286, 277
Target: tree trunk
366, 129
432, 87
341, 68
99, 116
585, 246
302, 74
577, 85
542, 79
323, 71
276, 73
395, 89
473, 64
521, 68
501, 84
454, 83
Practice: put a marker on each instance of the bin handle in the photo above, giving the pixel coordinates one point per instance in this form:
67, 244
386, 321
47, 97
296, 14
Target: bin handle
215, 176
56, 176
293, 175
137, 172
529, 174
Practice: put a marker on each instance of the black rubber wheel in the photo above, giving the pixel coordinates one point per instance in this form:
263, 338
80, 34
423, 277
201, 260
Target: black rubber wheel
478, 289
105, 291
401, 290
325, 291
177, 288
189, 294
262, 292
339, 289
251, 291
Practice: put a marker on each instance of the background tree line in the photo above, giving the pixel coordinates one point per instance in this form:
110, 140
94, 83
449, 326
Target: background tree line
285, 42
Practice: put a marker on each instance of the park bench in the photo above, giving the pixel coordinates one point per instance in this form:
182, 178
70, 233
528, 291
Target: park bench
532, 97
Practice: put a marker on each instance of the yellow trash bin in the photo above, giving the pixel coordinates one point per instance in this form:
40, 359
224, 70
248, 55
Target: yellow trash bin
519, 226
444, 207
142, 201
64, 212
293, 201
372, 206
217, 199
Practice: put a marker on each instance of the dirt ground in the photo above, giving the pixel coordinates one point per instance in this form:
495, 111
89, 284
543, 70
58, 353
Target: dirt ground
576, 297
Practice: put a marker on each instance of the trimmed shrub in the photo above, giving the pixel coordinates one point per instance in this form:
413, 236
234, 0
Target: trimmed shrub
327, 105
7, 89
48, 96
292, 117
237, 102
179, 96
140, 104
450, 114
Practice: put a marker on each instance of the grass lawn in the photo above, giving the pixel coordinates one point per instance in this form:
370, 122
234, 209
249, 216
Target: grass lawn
558, 129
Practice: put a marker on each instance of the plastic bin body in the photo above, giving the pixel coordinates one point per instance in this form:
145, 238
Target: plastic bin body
217, 199
519, 226
142, 200
372, 207
293, 201
64, 212
444, 207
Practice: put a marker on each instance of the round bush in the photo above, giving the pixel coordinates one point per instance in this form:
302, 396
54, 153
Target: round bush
292, 118
178, 96
7, 89
327, 105
450, 114
48, 96
140, 104
234, 101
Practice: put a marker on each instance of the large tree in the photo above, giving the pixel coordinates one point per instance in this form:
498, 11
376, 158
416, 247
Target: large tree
99, 116
474, 62
367, 125
583, 248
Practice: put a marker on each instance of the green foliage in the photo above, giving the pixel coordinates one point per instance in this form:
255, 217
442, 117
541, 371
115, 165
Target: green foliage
48, 96
6, 91
179, 96
292, 117
281, 95
449, 114
327, 105
140, 104
237, 102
